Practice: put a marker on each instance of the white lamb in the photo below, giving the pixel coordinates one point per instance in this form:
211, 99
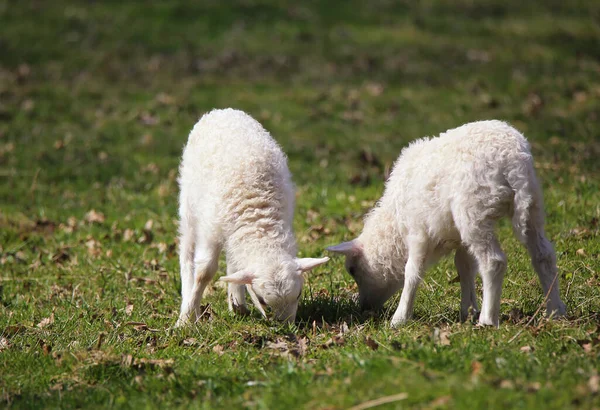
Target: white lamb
447, 193
237, 193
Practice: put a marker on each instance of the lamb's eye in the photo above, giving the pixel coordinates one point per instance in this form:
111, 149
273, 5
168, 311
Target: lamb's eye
261, 300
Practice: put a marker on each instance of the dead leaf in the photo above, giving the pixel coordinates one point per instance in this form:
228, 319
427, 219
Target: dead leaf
440, 337
129, 309
146, 236
23, 71
218, 349
586, 345
128, 234
373, 345
480, 56
278, 345
533, 104
94, 217
147, 119
475, 368
13, 330
58, 357
190, 341
93, 247
164, 364
72, 221
594, 383
515, 315
4, 344
328, 343
440, 402
162, 247
580, 96
526, 349
165, 99
302, 346
28, 105
374, 89
46, 322
57, 387
581, 252
506, 384
444, 338
60, 256
101, 337
141, 326
46, 348
127, 360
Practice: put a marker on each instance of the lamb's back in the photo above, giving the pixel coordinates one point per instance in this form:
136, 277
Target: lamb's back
231, 144
433, 175
232, 166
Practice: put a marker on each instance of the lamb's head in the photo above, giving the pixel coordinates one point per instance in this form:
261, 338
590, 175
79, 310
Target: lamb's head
373, 288
277, 286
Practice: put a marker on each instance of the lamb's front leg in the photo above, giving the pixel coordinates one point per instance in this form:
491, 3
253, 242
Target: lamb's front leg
236, 295
412, 279
206, 260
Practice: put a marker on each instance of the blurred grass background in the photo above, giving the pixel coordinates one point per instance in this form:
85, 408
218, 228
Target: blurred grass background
96, 101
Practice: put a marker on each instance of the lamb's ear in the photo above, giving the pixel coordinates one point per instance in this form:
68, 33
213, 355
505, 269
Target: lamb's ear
347, 248
241, 277
305, 264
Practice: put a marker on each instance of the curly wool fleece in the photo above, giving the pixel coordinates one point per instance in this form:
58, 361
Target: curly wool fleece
236, 193
447, 193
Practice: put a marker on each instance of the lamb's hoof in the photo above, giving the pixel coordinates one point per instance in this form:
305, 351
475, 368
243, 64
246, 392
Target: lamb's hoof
396, 323
559, 311
181, 322
485, 321
240, 310
471, 314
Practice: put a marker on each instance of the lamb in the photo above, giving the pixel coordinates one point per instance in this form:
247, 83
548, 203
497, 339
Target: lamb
445, 194
236, 193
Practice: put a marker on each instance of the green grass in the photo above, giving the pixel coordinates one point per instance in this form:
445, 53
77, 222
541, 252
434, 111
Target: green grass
96, 101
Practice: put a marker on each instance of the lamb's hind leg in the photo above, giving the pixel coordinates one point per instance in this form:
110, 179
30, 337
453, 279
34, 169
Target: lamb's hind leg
543, 260
186, 261
206, 258
467, 269
492, 266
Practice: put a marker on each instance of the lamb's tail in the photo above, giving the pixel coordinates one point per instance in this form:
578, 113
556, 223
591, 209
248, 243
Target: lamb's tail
528, 207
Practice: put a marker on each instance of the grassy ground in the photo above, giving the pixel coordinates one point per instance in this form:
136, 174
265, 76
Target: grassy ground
96, 100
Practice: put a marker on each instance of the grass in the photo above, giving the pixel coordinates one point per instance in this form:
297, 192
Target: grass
96, 101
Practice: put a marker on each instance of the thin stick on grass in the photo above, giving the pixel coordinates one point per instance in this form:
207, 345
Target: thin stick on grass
537, 311
378, 402
33, 186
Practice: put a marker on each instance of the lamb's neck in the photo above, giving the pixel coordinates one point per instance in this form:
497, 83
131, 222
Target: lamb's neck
255, 245
384, 244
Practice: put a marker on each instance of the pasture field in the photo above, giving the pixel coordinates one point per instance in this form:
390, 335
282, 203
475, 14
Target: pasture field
96, 101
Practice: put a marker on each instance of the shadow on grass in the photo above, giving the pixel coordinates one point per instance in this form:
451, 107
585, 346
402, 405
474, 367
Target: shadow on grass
323, 310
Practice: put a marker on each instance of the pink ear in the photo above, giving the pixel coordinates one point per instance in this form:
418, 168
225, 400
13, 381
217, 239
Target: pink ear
241, 277
306, 264
347, 248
